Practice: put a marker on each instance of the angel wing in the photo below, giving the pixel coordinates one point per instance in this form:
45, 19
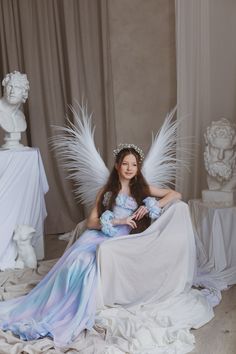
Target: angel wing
76, 150
161, 166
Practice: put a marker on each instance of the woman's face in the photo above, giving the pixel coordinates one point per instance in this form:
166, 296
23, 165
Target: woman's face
128, 167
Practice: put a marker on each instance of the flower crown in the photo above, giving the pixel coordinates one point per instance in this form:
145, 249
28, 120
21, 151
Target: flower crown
129, 146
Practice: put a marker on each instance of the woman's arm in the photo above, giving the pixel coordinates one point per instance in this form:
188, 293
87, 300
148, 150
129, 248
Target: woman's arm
93, 221
165, 195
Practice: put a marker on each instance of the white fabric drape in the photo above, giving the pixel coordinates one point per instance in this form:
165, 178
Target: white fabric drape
216, 244
23, 184
167, 253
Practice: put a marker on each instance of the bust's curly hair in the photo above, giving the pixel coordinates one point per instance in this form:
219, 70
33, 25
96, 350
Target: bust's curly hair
20, 79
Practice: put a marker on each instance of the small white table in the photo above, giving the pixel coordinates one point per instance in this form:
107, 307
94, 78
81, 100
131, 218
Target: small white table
215, 235
23, 184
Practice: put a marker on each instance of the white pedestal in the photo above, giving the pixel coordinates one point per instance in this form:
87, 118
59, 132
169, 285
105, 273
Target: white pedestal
23, 184
12, 141
219, 198
214, 230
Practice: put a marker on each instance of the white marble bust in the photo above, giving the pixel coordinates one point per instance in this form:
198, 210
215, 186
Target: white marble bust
220, 157
12, 119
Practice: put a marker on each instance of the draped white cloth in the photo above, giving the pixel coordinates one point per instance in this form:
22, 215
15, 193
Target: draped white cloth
151, 275
151, 266
23, 184
214, 229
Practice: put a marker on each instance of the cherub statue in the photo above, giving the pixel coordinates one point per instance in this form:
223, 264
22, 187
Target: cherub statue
12, 119
25, 252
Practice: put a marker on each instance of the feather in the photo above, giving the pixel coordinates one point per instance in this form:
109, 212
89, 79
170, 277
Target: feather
161, 165
76, 150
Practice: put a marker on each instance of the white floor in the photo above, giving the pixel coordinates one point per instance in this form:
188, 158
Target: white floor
219, 336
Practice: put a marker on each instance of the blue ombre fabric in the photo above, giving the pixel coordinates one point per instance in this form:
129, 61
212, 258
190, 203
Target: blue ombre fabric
64, 302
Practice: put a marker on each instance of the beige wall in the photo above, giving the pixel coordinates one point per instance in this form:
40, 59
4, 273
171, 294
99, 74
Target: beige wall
142, 35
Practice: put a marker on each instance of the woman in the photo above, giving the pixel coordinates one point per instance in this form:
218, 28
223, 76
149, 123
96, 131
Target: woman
126, 179
64, 302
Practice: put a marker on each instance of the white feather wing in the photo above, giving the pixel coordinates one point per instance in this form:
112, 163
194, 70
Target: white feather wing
161, 166
77, 153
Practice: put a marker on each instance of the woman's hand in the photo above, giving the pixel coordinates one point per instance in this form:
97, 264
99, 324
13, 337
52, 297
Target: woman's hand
140, 212
126, 221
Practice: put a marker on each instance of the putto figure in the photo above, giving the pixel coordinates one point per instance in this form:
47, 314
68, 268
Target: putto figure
12, 119
220, 155
26, 257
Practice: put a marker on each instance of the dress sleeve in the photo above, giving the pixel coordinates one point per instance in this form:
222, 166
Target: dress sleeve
153, 206
106, 222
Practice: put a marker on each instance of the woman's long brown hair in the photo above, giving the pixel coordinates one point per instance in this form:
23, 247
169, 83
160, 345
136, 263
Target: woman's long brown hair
139, 188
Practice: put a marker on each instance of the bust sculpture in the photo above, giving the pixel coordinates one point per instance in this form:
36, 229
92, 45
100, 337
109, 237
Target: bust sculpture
25, 252
219, 159
12, 119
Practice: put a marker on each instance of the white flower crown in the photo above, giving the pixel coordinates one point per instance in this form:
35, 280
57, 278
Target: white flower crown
129, 146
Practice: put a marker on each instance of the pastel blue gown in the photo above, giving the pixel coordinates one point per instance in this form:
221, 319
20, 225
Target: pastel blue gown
64, 303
